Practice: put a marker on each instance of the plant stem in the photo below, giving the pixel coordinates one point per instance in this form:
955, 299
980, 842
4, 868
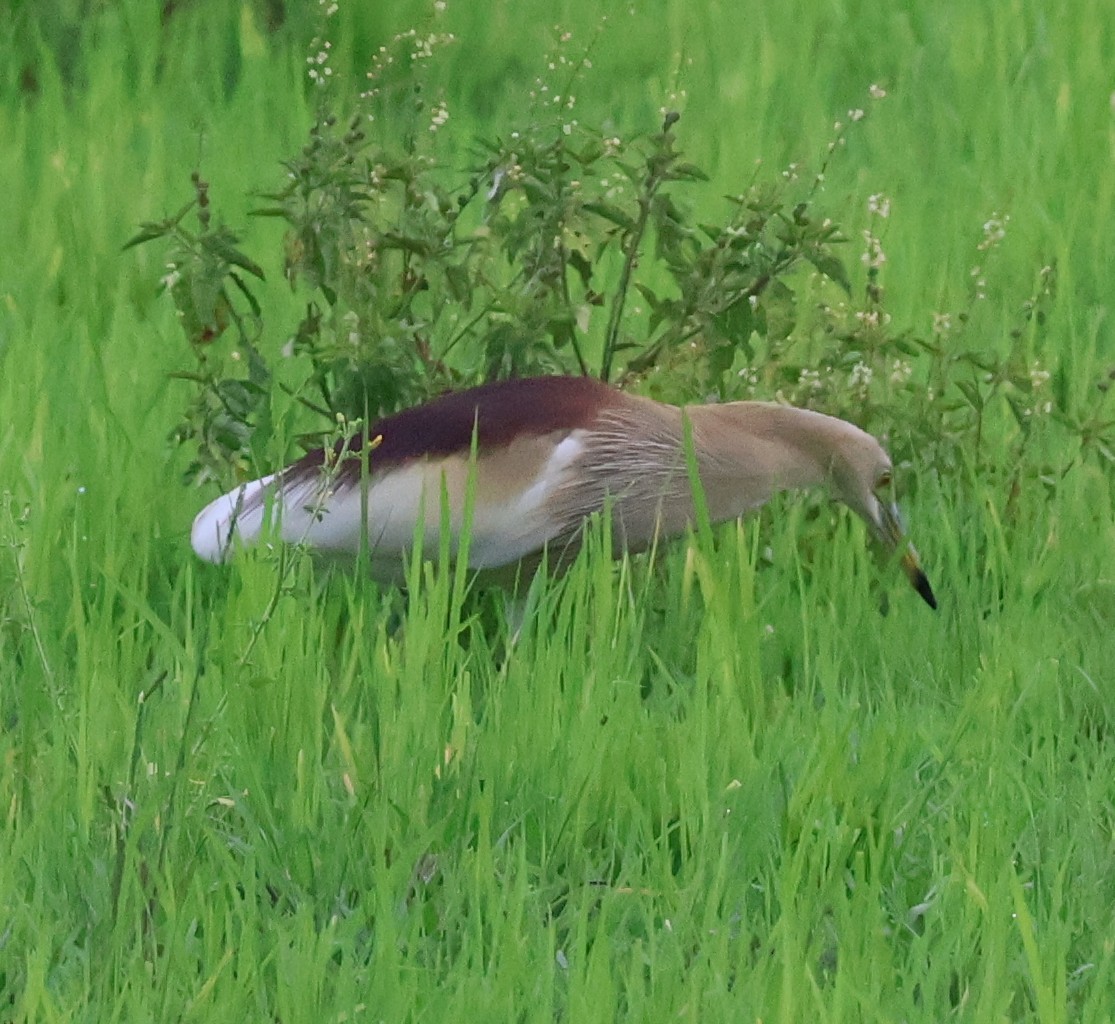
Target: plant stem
631, 254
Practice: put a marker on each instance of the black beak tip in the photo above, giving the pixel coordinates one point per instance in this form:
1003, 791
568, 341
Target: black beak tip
921, 585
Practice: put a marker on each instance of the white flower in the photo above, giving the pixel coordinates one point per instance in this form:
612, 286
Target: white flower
879, 205
172, 276
810, 379
942, 323
861, 375
873, 256
994, 231
439, 116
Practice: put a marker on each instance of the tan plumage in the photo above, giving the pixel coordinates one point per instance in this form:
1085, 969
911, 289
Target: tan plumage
539, 456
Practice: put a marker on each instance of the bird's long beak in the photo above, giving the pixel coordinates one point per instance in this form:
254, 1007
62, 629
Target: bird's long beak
888, 528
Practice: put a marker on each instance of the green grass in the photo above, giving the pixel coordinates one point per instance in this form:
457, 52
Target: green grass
718, 785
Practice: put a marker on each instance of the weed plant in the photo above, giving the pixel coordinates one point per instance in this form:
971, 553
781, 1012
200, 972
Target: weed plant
567, 248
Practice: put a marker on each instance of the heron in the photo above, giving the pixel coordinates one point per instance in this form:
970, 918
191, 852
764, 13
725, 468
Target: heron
522, 464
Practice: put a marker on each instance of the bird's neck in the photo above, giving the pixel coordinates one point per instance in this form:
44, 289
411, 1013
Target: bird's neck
748, 451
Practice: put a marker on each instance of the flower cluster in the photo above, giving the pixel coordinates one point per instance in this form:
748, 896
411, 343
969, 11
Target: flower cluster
878, 205
320, 71
873, 256
439, 115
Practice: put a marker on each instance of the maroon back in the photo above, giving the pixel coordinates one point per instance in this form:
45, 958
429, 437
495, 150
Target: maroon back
497, 413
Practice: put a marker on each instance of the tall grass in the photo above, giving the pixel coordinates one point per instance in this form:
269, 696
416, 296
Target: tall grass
715, 784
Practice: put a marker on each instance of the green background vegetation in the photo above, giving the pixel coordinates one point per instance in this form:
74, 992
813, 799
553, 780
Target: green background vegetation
715, 785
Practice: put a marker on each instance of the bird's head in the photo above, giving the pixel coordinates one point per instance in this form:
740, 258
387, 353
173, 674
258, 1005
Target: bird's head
863, 478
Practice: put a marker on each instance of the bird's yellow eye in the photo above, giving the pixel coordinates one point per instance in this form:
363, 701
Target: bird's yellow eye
884, 481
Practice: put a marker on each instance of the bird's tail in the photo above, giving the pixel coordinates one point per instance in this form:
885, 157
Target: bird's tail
235, 519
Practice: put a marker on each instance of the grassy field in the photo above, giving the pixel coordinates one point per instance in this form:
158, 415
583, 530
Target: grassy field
713, 786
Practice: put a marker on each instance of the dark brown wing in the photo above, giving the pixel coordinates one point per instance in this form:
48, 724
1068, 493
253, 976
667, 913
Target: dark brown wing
497, 413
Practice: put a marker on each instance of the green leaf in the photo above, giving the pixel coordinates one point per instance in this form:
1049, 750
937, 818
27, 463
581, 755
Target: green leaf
253, 303
224, 246
985, 363
909, 346
150, 230
611, 212
721, 357
971, 393
647, 358
583, 267
1061, 388
147, 233
409, 243
651, 298
832, 267
736, 322
686, 172
1019, 414
592, 151
459, 283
